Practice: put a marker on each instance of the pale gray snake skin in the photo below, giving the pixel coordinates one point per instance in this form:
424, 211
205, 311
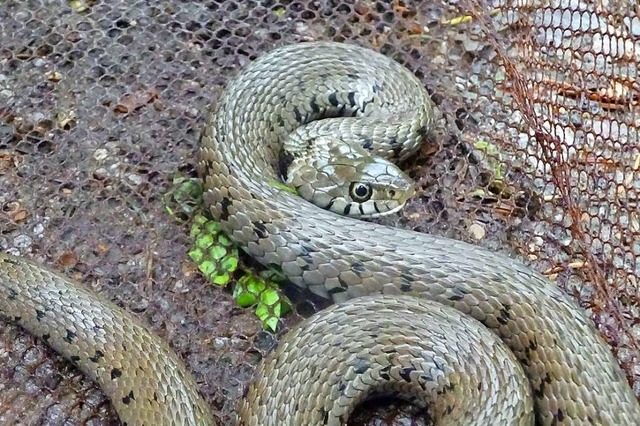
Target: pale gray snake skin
430, 339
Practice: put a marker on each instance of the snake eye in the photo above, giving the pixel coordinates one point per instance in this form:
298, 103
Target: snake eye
360, 192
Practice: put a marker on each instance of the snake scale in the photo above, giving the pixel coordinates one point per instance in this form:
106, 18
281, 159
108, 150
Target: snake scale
474, 336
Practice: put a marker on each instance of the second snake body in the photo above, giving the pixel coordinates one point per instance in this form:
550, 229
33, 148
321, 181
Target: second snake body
429, 339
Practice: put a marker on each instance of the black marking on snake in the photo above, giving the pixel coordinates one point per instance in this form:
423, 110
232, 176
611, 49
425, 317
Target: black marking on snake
424, 379
96, 356
505, 316
347, 209
155, 396
46, 337
397, 149
39, 314
458, 293
333, 99
70, 336
405, 287
367, 142
559, 415
11, 261
342, 386
310, 143
360, 208
351, 96
313, 103
297, 115
260, 229
127, 399
12, 293
74, 358
446, 388
358, 268
365, 104
533, 344
307, 261
336, 290
224, 208
539, 392
342, 283
372, 335
384, 372
115, 373
328, 206
17, 319
307, 250
422, 132
375, 206
377, 88
407, 277
405, 373
325, 416
280, 120
284, 162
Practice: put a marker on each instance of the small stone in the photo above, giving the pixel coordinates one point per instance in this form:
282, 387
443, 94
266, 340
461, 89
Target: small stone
100, 173
22, 241
100, 154
220, 342
179, 287
477, 231
38, 229
135, 179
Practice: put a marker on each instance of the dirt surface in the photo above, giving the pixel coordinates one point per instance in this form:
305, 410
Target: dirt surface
101, 106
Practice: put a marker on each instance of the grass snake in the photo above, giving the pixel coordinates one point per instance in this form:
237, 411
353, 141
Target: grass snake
475, 336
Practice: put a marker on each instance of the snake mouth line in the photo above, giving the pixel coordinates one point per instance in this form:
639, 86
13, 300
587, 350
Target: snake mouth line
387, 213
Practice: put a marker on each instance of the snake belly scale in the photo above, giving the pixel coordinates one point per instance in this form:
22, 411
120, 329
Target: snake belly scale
426, 310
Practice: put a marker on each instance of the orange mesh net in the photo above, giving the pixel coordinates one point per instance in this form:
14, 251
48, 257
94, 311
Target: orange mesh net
536, 154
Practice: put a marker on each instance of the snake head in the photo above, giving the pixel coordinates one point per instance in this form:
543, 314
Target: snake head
348, 180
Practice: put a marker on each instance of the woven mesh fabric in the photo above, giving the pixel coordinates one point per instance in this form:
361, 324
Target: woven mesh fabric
536, 154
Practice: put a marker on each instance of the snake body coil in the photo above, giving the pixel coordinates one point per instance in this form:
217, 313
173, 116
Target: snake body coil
430, 337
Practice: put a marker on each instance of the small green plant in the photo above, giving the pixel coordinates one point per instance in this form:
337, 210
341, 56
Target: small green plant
213, 252
218, 258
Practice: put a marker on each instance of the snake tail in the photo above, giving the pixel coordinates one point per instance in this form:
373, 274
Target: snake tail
144, 379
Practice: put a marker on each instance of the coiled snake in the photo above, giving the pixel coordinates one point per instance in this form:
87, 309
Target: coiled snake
430, 338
